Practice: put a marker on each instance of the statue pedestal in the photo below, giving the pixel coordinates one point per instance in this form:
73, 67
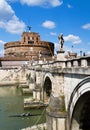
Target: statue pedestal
60, 55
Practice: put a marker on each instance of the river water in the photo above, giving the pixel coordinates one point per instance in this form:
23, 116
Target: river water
11, 103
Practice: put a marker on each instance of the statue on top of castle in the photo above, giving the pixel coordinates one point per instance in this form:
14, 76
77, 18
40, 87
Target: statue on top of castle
29, 28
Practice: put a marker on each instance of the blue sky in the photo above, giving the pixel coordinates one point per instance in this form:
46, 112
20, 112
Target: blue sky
49, 18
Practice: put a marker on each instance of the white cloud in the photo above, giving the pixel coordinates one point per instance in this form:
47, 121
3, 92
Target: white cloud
15, 25
2, 42
8, 20
33, 2
88, 53
49, 24
6, 11
55, 3
53, 33
43, 3
56, 47
12, 1
69, 6
72, 38
2, 52
2, 47
86, 26
74, 49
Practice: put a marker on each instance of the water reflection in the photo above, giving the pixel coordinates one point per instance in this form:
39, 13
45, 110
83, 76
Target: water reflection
11, 103
6, 91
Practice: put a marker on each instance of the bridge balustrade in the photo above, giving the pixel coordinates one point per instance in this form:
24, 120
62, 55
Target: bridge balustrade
88, 62
75, 63
66, 64
78, 62
84, 62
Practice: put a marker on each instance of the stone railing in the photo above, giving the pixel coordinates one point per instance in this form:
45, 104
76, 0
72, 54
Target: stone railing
68, 63
76, 62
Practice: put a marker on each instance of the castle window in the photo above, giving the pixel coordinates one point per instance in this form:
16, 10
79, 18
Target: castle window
28, 38
24, 39
30, 42
37, 39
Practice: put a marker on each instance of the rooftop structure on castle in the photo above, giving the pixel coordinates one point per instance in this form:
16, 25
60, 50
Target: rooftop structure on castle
30, 47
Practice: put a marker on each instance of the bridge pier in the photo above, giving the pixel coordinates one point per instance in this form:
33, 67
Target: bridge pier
56, 121
56, 114
37, 94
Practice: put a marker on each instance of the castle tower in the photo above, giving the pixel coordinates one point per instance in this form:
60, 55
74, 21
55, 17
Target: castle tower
30, 47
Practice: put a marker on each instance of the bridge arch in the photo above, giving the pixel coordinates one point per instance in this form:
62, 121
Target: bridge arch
79, 106
47, 86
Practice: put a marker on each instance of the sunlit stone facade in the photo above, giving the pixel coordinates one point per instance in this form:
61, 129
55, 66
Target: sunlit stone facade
30, 47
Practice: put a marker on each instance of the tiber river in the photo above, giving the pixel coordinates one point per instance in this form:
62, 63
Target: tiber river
11, 103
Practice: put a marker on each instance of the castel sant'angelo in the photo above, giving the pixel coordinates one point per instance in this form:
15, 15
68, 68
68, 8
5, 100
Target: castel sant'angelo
29, 48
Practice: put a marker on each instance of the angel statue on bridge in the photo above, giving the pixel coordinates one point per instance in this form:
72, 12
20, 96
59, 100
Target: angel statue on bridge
61, 41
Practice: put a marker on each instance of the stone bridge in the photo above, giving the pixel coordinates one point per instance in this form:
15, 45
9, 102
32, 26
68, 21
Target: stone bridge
65, 84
